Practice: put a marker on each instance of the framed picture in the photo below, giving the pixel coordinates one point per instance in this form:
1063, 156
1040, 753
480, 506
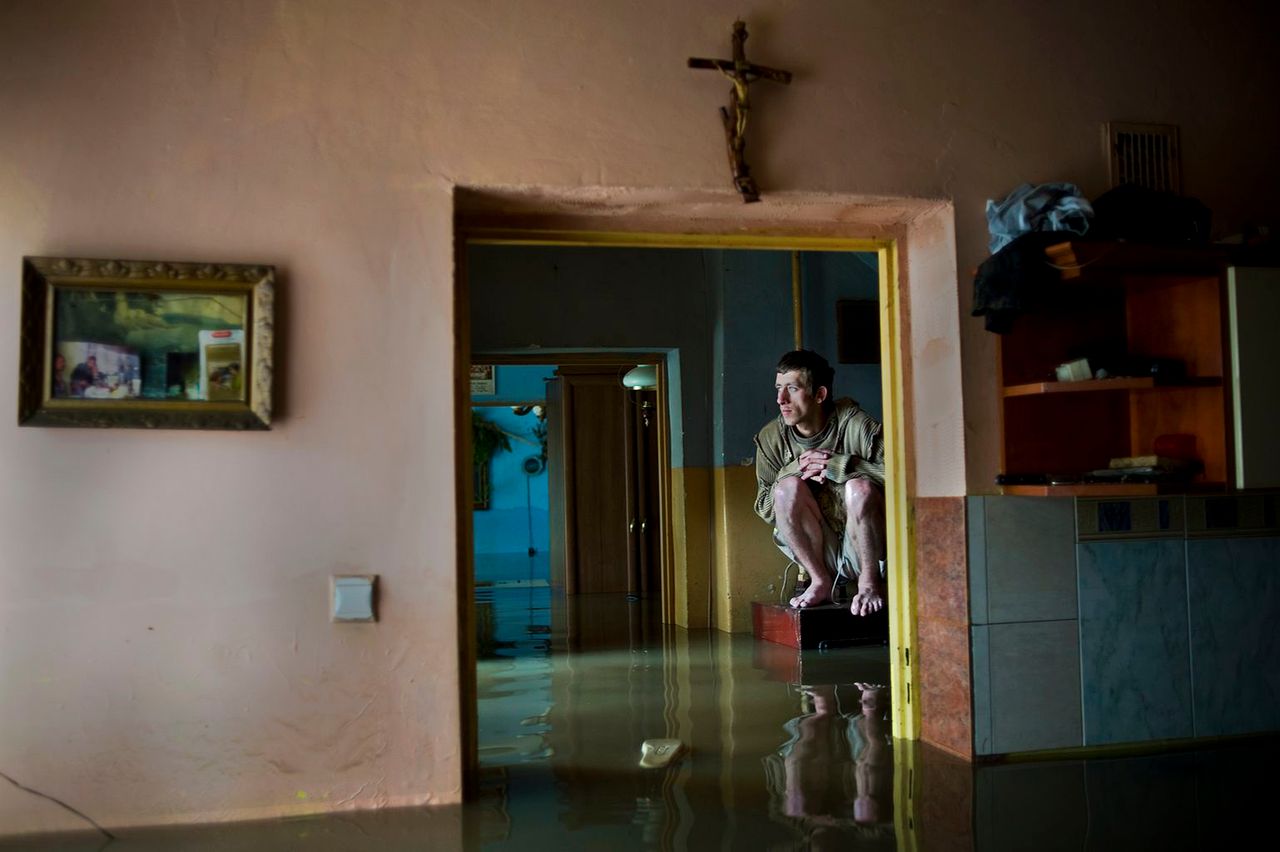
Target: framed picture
483, 380
148, 344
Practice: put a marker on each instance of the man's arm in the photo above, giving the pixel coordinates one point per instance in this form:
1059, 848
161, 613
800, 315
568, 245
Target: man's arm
769, 469
867, 462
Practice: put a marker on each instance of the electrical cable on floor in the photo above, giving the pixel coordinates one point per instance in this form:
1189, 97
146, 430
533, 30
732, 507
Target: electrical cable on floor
110, 837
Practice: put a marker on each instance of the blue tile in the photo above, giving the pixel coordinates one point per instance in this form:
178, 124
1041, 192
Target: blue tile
1030, 559
976, 522
1130, 518
1035, 686
1228, 516
1221, 513
980, 650
1115, 516
1134, 648
1235, 642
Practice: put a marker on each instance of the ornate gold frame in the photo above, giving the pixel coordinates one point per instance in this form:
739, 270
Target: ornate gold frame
42, 275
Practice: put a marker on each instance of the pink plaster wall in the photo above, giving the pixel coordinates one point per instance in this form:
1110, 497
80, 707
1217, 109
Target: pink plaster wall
164, 648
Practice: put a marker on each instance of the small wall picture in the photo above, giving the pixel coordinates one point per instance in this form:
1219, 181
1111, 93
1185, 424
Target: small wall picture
221, 365
87, 370
146, 343
483, 380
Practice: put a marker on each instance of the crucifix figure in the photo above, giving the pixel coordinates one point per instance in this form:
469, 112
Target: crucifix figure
742, 74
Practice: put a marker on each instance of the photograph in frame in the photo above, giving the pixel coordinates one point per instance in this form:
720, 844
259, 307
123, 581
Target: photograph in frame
146, 344
483, 380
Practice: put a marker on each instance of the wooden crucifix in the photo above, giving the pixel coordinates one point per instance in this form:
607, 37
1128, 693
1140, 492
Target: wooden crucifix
742, 74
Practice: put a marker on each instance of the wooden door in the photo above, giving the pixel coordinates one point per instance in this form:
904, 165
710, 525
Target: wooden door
605, 500
596, 498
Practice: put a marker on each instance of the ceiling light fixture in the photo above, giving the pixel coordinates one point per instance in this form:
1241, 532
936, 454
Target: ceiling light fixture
641, 377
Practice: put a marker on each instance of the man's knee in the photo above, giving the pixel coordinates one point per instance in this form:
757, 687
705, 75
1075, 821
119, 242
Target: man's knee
786, 492
861, 496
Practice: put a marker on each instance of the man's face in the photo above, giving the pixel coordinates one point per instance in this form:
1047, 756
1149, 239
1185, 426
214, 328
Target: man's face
797, 404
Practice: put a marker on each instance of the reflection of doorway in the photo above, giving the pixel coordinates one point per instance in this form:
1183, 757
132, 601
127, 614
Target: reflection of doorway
599, 539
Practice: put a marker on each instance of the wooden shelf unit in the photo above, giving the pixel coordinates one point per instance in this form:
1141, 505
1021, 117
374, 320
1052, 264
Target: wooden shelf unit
1083, 489
1084, 386
1111, 489
1116, 300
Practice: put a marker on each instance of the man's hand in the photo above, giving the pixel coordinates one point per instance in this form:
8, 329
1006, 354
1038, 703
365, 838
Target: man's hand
813, 464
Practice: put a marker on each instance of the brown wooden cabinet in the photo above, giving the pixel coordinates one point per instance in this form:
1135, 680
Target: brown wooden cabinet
1127, 305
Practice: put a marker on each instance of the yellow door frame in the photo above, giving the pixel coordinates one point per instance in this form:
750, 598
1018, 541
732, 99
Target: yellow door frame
899, 517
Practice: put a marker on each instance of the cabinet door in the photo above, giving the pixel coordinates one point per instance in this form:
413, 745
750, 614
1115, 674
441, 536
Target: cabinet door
1253, 305
1235, 644
1134, 654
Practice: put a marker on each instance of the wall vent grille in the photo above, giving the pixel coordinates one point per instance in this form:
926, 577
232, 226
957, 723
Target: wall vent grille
1148, 155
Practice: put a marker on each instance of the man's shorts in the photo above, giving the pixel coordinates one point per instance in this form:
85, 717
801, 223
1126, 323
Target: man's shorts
837, 550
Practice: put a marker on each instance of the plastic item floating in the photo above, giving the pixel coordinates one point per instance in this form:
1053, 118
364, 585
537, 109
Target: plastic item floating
657, 753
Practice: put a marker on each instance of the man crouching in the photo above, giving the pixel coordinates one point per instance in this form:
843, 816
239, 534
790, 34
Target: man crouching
820, 482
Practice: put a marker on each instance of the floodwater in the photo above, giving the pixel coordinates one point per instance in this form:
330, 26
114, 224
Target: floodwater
779, 750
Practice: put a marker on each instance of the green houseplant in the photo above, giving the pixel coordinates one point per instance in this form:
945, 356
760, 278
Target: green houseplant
487, 440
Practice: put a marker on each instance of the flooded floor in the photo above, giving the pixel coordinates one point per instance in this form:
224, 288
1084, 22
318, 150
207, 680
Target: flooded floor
779, 750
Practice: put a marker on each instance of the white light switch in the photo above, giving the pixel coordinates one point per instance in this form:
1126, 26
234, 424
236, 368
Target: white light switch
353, 597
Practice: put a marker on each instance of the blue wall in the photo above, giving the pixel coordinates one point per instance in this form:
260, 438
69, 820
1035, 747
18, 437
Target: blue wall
504, 526
722, 316
574, 299
754, 328
518, 383
829, 277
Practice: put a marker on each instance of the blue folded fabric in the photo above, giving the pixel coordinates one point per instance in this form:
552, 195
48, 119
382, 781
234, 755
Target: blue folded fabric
1047, 207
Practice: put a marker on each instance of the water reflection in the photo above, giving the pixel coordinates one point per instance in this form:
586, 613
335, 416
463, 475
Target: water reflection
835, 772
782, 749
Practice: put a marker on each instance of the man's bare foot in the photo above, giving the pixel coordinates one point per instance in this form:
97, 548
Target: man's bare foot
873, 695
869, 599
817, 594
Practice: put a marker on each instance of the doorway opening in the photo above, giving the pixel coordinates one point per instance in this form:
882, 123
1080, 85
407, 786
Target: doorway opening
582, 439
681, 583
569, 477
